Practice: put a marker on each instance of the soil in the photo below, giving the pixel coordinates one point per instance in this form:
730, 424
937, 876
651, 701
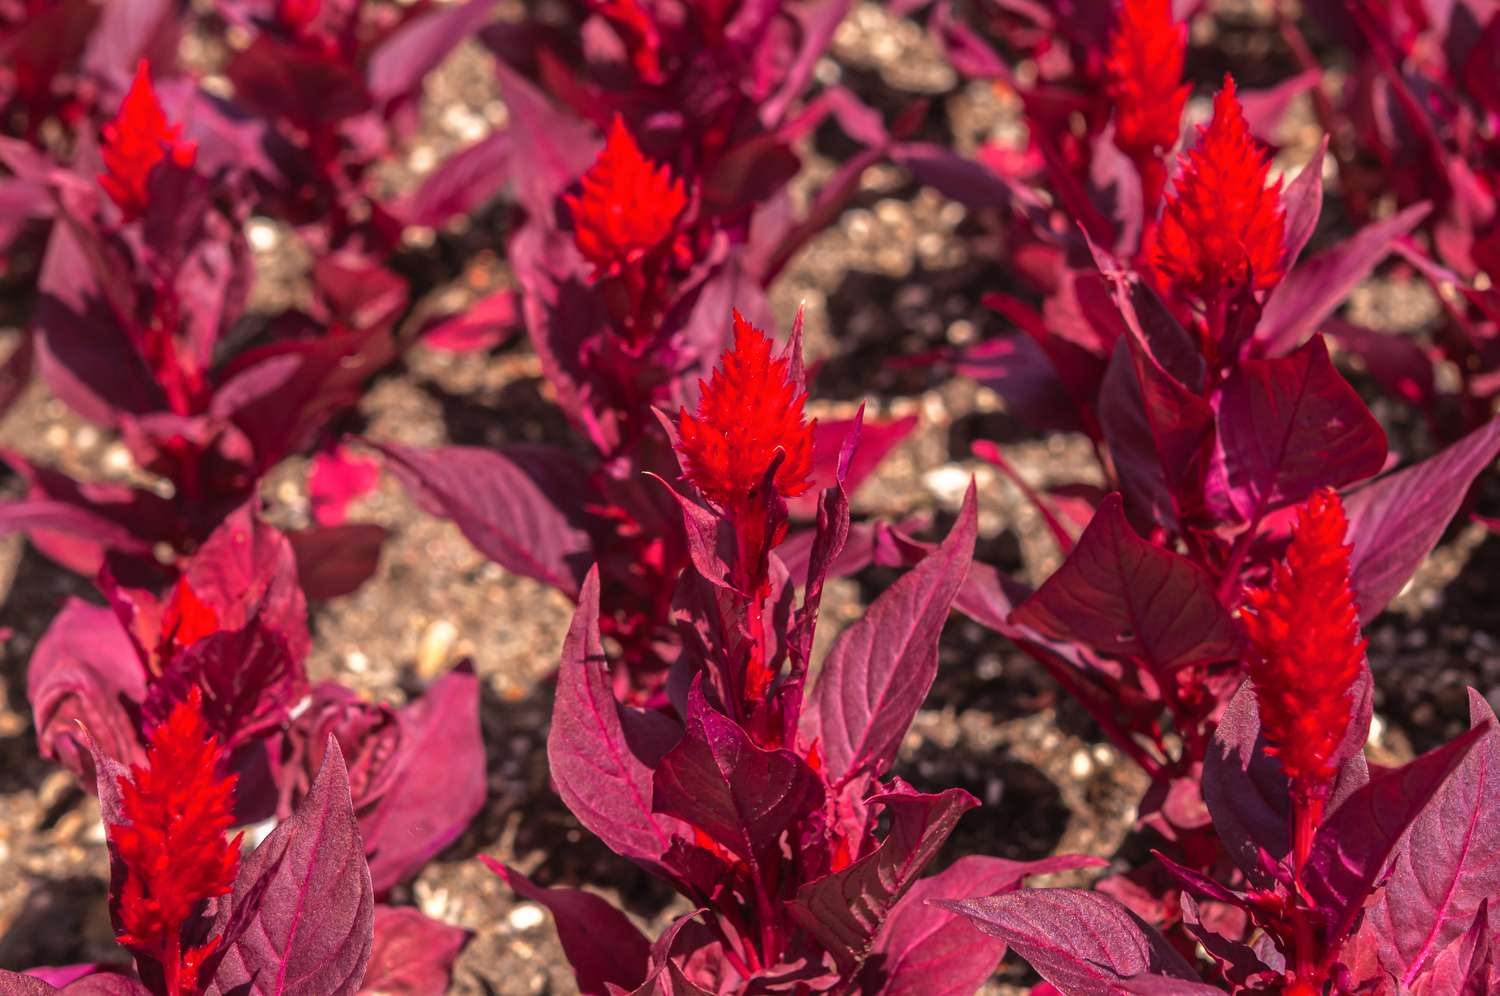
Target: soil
899, 273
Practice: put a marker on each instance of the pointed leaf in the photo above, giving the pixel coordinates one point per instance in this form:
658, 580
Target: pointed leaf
413, 955
1449, 863
741, 796
1396, 520
924, 949
520, 505
1315, 288
1288, 426
1119, 594
301, 917
601, 753
438, 785
1356, 841
882, 666
845, 910
1084, 943
603, 946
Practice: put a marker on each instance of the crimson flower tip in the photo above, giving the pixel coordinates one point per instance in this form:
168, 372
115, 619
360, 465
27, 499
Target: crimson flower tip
1144, 64
1223, 226
139, 139
176, 809
748, 411
1306, 651
628, 207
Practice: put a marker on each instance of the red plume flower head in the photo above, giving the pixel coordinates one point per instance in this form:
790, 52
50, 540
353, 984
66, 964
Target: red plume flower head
171, 844
137, 141
1146, 54
1306, 651
629, 206
746, 412
1222, 227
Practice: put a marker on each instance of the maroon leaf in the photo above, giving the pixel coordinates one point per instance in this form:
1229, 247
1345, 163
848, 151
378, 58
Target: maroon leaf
1245, 788
1119, 594
1315, 288
601, 753
437, 785
1466, 967
85, 672
333, 561
845, 910
1450, 862
603, 946
412, 955
96, 983
247, 570
923, 949
1084, 943
335, 479
301, 916
463, 183
489, 322
520, 506
1303, 202
719, 781
1288, 426
1396, 520
882, 666
396, 69
1356, 841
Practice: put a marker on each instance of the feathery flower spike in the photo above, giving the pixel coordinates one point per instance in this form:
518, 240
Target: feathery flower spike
137, 141
1305, 646
1146, 54
629, 206
748, 410
1222, 227
176, 810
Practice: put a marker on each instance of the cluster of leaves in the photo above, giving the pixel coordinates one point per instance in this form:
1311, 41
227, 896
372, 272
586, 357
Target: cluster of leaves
629, 257
1206, 613
125, 210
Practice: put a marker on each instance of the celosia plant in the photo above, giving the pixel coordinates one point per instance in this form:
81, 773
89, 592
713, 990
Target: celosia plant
1353, 877
763, 805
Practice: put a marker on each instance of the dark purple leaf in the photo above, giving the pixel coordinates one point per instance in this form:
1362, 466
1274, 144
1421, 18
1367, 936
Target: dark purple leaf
923, 949
845, 910
1084, 943
601, 753
1314, 289
520, 506
247, 570
1356, 841
551, 149
94, 983
489, 322
1396, 520
1119, 594
1288, 426
882, 666
1399, 362
333, 561
1303, 201
603, 946
436, 785
719, 781
1466, 967
412, 955
464, 182
1449, 863
396, 68
300, 919
85, 672
249, 678
1245, 788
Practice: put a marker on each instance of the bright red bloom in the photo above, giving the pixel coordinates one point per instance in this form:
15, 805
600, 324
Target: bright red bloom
1146, 53
629, 207
137, 141
1306, 651
185, 620
171, 843
297, 16
1222, 227
748, 411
